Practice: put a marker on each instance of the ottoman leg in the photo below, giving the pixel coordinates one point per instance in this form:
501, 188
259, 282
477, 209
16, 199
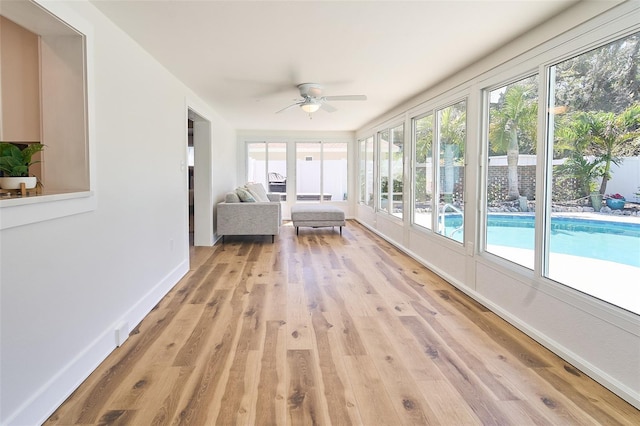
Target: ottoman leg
340, 230
297, 227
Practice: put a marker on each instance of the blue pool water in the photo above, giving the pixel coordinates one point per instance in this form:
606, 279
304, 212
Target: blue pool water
598, 239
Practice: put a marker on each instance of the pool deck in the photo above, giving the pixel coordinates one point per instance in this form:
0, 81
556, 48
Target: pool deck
609, 281
604, 217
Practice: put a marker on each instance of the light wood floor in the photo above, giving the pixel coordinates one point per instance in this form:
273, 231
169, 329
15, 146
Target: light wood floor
329, 330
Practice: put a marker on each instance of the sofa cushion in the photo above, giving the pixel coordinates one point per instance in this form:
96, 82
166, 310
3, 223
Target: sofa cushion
244, 195
231, 197
258, 192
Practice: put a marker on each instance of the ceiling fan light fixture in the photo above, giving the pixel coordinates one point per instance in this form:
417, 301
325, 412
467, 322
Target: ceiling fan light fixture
310, 106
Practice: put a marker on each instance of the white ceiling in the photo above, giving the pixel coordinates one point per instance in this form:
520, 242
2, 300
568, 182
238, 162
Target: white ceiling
246, 58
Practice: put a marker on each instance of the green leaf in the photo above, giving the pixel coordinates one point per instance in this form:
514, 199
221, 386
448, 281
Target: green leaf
15, 162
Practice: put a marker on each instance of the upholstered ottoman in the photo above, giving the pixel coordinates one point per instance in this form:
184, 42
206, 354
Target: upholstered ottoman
317, 215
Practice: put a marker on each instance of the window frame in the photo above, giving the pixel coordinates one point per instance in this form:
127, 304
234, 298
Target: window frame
322, 166
414, 168
438, 173
378, 180
362, 162
389, 127
484, 165
440, 103
540, 62
266, 154
362, 171
320, 169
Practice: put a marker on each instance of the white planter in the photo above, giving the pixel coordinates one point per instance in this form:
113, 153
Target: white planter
14, 182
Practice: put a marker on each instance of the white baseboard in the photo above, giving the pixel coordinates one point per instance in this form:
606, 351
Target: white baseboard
597, 374
56, 390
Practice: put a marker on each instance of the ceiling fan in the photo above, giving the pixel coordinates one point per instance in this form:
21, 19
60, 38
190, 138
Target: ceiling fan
312, 99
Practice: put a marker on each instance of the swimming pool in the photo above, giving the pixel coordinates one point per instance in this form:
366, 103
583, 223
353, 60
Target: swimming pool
614, 241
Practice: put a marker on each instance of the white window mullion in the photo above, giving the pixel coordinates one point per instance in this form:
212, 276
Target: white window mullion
545, 173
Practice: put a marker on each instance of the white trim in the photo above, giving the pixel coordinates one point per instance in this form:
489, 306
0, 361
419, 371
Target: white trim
24, 211
39, 406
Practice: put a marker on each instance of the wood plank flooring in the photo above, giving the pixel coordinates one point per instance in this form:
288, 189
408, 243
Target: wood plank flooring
319, 329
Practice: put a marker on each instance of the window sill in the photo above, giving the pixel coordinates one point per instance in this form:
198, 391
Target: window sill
19, 211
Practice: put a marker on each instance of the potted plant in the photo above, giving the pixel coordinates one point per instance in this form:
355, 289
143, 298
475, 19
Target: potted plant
615, 201
15, 163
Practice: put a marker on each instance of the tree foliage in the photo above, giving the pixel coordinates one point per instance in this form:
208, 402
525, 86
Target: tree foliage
512, 126
516, 112
424, 143
424, 138
606, 137
604, 79
452, 125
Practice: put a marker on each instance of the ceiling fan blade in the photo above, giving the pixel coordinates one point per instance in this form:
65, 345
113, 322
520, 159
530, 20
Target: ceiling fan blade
289, 107
327, 107
346, 98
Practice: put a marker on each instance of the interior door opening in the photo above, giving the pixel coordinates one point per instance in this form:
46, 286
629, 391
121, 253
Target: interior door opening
190, 165
200, 207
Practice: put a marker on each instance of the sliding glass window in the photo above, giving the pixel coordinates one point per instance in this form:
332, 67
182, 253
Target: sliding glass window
369, 174
321, 171
267, 164
391, 166
511, 171
335, 168
592, 227
308, 171
451, 137
362, 171
397, 170
423, 187
384, 149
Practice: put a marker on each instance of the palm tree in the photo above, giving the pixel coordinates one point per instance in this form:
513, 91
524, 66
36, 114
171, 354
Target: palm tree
584, 169
608, 137
603, 137
515, 118
424, 140
452, 129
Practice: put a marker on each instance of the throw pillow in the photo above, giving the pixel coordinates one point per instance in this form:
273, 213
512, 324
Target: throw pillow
258, 192
244, 195
231, 197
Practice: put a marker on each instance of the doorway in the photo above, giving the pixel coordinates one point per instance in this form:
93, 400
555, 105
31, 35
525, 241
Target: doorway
200, 202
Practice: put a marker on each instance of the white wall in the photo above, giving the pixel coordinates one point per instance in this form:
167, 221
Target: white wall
67, 284
625, 179
600, 339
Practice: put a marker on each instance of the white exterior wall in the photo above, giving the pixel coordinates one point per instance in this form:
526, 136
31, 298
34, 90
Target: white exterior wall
600, 339
68, 283
625, 179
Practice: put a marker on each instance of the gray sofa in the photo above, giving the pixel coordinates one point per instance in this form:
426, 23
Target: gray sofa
250, 218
